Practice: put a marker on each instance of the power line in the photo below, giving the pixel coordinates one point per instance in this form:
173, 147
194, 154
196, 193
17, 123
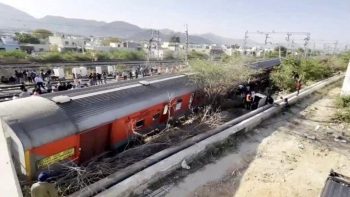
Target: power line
289, 35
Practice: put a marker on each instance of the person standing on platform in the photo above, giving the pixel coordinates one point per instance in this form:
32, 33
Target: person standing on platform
104, 76
39, 82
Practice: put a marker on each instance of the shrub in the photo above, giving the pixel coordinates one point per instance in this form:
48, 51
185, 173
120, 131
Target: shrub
193, 55
343, 115
13, 55
218, 78
50, 57
313, 69
343, 102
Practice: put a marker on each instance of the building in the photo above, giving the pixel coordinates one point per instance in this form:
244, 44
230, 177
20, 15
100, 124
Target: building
35, 48
202, 48
67, 43
96, 44
8, 43
172, 46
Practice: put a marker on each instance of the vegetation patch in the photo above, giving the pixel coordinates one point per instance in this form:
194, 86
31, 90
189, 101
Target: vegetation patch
343, 112
307, 70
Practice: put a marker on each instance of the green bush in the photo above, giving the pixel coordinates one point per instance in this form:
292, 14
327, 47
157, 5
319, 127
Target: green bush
343, 115
13, 55
282, 77
49, 57
313, 69
27, 38
343, 102
101, 56
217, 78
126, 55
194, 55
343, 112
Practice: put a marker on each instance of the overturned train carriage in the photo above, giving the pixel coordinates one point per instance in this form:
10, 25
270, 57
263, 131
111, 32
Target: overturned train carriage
44, 131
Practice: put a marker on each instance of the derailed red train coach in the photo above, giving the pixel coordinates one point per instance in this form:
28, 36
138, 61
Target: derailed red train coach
84, 123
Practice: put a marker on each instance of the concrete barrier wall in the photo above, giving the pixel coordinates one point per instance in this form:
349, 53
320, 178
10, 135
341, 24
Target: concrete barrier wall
140, 181
9, 184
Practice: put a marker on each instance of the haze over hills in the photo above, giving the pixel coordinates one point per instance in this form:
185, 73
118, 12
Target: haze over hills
12, 18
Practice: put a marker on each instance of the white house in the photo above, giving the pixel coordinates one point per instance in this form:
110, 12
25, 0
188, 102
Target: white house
67, 43
36, 48
96, 44
8, 43
172, 46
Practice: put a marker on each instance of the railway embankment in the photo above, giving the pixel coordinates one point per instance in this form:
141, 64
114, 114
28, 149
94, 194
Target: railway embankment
139, 182
290, 154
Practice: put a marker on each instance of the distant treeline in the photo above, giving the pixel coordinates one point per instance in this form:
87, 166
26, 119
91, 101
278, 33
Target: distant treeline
53, 57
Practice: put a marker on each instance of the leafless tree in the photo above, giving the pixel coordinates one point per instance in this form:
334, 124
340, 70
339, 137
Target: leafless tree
218, 78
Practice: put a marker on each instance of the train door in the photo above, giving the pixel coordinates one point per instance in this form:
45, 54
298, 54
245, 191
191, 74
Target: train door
94, 142
165, 114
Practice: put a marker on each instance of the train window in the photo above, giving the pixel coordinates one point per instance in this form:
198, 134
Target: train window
140, 124
178, 104
156, 116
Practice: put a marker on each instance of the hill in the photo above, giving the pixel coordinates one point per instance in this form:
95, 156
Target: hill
14, 19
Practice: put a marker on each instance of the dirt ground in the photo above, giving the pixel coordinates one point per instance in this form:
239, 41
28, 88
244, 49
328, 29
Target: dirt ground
296, 159
289, 155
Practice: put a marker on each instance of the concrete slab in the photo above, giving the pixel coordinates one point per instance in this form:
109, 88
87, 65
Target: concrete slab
345, 91
9, 184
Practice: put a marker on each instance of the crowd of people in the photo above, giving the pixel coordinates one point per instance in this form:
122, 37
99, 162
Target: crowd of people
46, 82
26, 76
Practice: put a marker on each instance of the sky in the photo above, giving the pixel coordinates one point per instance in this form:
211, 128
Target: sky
326, 20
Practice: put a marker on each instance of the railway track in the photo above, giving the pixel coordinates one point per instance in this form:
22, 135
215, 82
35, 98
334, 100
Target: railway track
13, 90
32, 65
9, 91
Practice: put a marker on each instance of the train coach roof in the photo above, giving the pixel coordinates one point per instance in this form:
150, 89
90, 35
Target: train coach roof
39, 120
266, 64
95, 108
86, 90
36, 120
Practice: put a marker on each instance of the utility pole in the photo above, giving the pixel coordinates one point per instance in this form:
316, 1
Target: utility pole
158, 44
335, 47
245, 42
267, 36
186, 57
307, 39
150, 47
292, 46
291, 42
279, 51
313, 52
288, 35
